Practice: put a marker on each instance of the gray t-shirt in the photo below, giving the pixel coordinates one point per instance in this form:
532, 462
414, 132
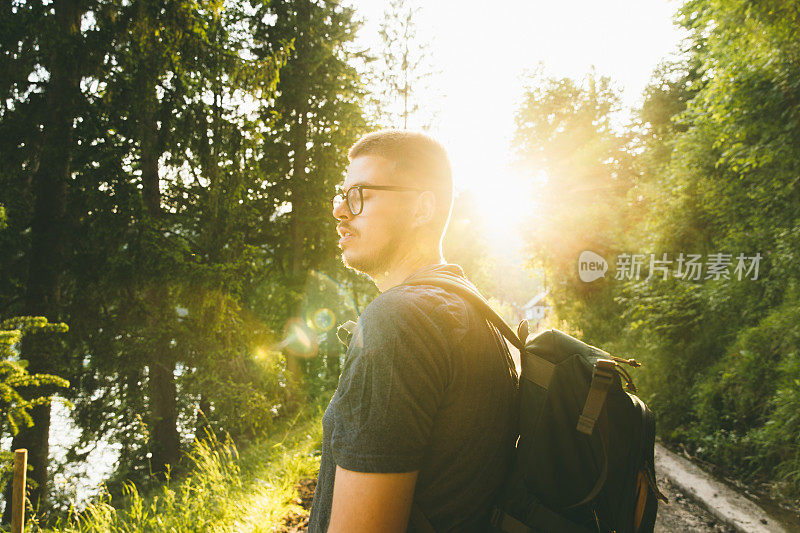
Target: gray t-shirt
426, 385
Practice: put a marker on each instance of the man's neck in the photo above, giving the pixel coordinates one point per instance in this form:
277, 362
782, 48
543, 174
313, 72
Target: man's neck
404, 267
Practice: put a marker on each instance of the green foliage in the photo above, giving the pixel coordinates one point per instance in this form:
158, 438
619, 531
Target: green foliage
776, 442
201, 144
196, 502
724, 172
746, 404
14, 378
223, 489
709, 166
566, 139
14, 375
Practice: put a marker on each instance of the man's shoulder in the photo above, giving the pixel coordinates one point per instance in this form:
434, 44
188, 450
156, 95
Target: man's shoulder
413, 302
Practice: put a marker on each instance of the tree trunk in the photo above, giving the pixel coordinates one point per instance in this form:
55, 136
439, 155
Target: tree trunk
44, 351
300, 150
164, 438
298, 186
202, 426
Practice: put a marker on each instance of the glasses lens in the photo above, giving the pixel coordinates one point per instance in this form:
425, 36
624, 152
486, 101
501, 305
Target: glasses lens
355, 200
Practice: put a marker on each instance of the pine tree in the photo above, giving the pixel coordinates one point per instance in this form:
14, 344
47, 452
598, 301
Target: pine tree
49, 70
403, 71
318, 115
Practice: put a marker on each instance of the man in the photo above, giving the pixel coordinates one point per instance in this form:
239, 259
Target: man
424, 412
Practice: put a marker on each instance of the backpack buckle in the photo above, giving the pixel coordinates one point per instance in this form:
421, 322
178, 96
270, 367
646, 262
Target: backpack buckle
604, 371
345, 332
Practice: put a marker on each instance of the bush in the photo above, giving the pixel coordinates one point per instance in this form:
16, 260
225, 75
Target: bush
748, 404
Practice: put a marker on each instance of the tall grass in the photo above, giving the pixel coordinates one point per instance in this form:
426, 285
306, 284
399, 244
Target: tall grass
224, 491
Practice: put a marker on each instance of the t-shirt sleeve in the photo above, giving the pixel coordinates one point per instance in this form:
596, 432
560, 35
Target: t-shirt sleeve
394, 377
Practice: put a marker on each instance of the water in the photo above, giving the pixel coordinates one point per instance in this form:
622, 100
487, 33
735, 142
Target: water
78, 481
788, 518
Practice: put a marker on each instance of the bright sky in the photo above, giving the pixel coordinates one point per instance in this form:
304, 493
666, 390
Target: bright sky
482, 54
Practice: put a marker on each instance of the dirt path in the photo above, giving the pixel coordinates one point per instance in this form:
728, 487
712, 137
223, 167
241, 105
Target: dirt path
727, 503
298, 522
682, 514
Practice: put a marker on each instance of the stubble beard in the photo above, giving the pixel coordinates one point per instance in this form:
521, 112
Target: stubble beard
378, 261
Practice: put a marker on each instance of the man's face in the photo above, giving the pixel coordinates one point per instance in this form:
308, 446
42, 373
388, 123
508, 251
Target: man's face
371, 240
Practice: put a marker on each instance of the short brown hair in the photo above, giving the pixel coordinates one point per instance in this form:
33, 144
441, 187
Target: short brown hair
421, 159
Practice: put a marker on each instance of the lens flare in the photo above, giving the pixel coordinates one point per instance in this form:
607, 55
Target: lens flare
298, 339
323, 320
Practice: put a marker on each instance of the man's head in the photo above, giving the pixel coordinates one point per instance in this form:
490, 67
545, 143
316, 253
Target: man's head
394, 222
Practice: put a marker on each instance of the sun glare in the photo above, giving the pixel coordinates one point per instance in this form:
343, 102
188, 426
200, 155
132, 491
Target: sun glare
477, 89
505, 200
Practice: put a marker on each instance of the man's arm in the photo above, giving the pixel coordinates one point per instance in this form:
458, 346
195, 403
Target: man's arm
371, 502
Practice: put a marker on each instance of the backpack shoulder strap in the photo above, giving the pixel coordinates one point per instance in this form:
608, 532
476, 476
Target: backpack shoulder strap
467, 290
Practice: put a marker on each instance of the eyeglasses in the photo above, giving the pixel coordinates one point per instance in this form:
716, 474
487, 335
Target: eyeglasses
355, 197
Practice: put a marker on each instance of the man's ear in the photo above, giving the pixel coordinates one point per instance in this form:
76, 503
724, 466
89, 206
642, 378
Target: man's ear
424, 208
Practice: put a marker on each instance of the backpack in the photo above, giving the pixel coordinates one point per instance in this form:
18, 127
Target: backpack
584, 457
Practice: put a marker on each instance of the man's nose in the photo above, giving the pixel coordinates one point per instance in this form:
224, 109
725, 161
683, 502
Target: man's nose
341, 211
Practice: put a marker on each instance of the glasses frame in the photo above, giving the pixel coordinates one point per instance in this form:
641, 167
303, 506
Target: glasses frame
345, 194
